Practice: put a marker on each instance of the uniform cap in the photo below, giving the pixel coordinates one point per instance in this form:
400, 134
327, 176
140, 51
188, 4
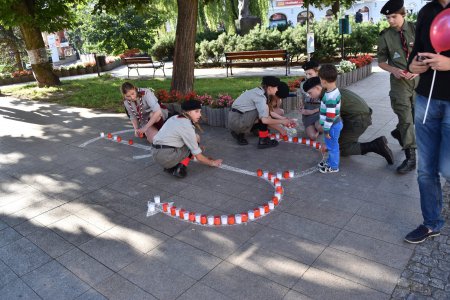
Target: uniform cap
270, 81
191, 105
310, 83
283, 90
391, 7
310, 65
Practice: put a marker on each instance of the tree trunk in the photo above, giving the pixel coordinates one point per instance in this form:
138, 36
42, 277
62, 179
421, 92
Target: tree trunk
335, 8
184, 56
34, 43
15, 49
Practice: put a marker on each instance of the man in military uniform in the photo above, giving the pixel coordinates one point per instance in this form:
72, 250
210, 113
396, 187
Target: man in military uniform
394, 46
356, 116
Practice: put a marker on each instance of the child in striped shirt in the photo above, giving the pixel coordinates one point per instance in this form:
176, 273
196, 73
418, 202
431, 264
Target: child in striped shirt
330, 118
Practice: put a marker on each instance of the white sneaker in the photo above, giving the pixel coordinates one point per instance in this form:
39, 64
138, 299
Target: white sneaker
322, 163
328, 169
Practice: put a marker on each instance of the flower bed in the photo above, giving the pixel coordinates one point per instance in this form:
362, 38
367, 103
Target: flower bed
214, 109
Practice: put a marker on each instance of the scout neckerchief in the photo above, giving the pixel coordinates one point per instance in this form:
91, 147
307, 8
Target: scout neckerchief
404, 44
139, 105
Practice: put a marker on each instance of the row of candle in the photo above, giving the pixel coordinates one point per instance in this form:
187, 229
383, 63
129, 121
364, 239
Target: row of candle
116, 138
295, 139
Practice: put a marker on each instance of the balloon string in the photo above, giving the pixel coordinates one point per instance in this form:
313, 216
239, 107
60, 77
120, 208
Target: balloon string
429, 98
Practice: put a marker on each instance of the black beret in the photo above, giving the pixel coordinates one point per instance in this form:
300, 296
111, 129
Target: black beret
310, 65
270, 81
191, 105
391, 7
283, 90
310, 83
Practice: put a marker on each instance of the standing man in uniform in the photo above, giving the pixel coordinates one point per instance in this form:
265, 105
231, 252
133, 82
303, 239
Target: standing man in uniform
251, 107
394, 46
356, 116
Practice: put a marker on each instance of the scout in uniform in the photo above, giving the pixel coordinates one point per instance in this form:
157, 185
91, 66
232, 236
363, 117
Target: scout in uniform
144, 111
274, 103
311, 106
394, 46
251, 107
356, 116
176, 142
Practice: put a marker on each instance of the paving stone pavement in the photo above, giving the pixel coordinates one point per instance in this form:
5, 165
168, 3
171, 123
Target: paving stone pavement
73, 221
427, 274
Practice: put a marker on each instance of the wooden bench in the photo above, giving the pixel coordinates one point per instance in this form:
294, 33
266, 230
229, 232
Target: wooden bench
143, 62
239, 58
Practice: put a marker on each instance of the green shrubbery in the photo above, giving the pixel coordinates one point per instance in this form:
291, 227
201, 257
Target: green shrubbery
363, 39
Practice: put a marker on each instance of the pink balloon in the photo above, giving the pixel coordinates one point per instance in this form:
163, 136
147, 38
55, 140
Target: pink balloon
440, 31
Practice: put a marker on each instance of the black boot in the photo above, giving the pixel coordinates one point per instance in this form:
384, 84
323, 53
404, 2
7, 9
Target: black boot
380, 147
255, 129
396, 135
266, 143
240, 138
409, 164
180, 171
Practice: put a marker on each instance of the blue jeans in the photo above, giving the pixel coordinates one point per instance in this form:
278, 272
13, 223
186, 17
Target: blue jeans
333, 145
433, 146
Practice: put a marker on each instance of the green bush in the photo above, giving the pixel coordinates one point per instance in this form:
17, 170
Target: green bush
363, 38
164, 48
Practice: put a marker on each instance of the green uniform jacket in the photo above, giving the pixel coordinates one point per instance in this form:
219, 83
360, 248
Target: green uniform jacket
390, 50
353, 105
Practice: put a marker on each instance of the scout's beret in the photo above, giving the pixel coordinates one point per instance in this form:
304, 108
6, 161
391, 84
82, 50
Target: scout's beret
191, 105
310, 83
270, 81
310, 65
283, 90
391, 7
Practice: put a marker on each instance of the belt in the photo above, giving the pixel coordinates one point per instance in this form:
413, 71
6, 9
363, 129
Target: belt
162, 147
238, 111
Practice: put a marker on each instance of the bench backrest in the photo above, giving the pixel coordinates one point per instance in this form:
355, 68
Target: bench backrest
256, 54
137, 60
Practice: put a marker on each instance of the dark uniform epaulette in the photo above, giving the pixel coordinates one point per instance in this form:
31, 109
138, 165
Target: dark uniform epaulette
383, 31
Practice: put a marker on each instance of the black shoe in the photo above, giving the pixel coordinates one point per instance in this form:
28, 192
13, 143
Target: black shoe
409, 164
255, 130
170, 170
180, 171
266, 143
396, 135
420, 234
381, 148
240, 138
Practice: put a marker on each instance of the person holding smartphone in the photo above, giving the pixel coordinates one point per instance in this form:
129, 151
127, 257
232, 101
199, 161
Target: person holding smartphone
433, 136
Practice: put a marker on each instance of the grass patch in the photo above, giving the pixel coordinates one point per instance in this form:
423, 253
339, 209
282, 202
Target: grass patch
103, 93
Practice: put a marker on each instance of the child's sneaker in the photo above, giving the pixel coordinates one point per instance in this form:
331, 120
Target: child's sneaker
322, 163
328, 169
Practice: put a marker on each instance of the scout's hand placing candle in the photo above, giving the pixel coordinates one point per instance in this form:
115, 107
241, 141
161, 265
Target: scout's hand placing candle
216, 163
141, 131
328, 136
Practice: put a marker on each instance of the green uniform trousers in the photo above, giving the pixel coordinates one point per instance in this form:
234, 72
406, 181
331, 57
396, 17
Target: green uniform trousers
402, 102
354, 127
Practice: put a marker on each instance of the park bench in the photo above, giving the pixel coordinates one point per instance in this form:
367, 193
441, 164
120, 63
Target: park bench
143, 62
241, 59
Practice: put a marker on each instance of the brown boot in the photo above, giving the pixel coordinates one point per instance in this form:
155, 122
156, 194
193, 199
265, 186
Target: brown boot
409, 164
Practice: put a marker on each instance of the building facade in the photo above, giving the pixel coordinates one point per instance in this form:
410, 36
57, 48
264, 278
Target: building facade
293, 11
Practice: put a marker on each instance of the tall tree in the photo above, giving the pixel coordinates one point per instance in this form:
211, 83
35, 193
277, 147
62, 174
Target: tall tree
335, 4
33, 17
184, 57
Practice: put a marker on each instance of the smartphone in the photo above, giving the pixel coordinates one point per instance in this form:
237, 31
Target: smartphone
421, 58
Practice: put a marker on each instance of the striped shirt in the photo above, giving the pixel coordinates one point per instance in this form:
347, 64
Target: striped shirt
330, 107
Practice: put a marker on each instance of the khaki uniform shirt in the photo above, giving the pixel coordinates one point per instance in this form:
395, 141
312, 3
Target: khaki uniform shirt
149, 104
251, 100
178, 131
